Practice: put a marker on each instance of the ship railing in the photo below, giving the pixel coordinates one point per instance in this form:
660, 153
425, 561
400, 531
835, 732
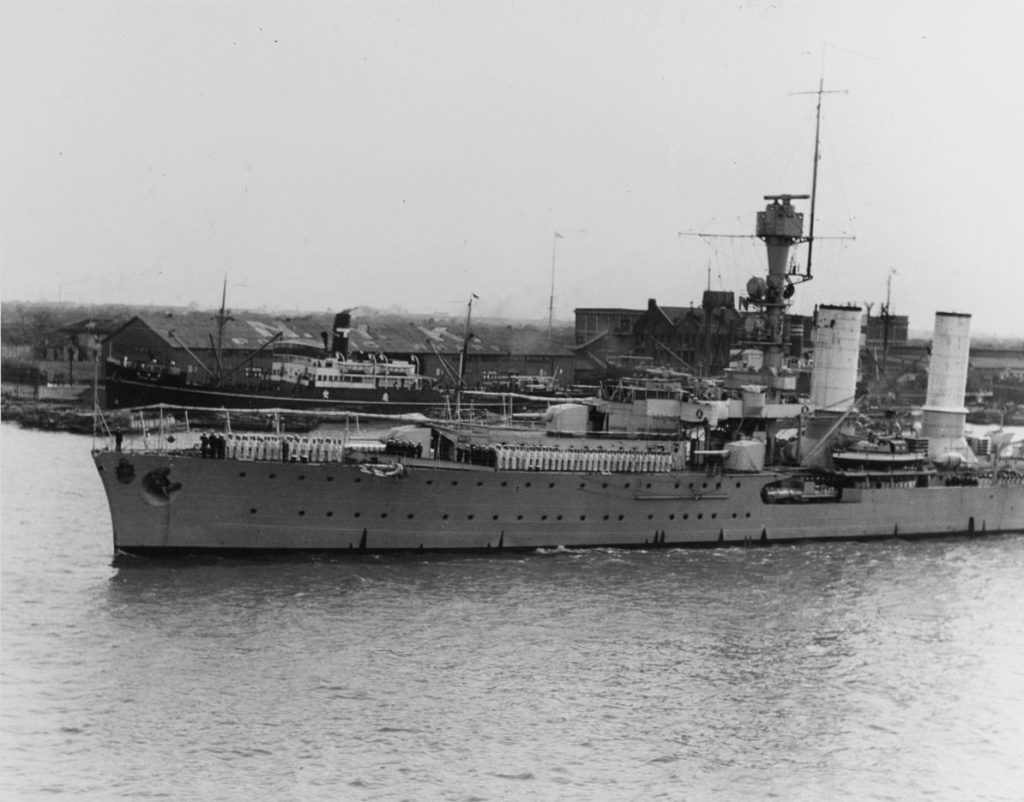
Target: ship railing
253, 447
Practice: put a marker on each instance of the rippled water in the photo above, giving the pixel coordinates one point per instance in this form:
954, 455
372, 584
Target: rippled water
888, 670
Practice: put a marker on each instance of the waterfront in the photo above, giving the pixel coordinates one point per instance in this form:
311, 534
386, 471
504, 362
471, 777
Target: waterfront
841, 670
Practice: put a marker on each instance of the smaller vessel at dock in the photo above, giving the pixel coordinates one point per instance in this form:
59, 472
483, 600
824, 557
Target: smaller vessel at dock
303, 375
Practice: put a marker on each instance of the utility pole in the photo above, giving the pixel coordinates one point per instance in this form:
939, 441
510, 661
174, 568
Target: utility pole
551, 300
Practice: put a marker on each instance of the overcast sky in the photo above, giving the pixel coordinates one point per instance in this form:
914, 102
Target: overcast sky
406, 154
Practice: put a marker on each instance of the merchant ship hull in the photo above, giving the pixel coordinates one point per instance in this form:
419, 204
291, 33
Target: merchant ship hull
123, 393
167, 504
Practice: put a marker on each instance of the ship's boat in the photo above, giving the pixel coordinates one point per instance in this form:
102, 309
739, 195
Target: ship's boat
891, 453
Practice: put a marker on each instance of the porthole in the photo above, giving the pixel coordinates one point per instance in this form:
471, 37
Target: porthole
409, 516
330, 478
604, 517
700, 515
734, 515
558, 517
626, 486
301, 477
747, 515
302, 512
429, 481
583, 517
383, 515
253, 510
504, 484
494, 517
686, 516
444, 517
479, 484
543, 517
648, 485
705, 485
356, 515
714, 515
272, 476
519, 517
672, 516
604, 484
551, 485
241, 473
469, 517
358, 480
582, 485
621, 516
650, 517
529, 484
737, 485
455, 483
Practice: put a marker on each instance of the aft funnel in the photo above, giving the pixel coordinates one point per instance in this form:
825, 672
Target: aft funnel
944, 413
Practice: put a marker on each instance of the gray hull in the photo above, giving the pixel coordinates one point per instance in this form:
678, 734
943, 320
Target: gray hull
168, 503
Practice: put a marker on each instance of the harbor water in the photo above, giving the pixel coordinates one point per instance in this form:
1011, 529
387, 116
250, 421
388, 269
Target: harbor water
877, 670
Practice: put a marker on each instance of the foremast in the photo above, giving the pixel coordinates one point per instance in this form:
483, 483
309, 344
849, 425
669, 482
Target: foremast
780, 226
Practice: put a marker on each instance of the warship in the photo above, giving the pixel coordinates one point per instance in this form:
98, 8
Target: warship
653, 465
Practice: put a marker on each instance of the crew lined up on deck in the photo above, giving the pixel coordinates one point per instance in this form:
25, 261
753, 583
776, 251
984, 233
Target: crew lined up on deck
403, 448
507, 457
503, 457
278, 448
615, 460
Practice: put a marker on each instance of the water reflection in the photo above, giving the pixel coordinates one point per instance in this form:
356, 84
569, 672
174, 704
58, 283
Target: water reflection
838, 670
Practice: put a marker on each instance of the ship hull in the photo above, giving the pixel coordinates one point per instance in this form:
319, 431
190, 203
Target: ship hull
166, 504
126, 393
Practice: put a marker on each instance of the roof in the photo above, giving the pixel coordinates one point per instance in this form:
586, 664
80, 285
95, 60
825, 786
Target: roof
92, 325
608, 310
194, 330
674, 313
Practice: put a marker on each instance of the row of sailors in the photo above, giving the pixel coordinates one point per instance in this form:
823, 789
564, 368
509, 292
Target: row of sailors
287, 448
622, 460
403, 448
291, 448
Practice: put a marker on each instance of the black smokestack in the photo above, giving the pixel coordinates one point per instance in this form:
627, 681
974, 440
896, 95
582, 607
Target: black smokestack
342, 325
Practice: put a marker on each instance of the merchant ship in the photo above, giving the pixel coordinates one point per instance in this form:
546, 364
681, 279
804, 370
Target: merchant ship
304, 375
